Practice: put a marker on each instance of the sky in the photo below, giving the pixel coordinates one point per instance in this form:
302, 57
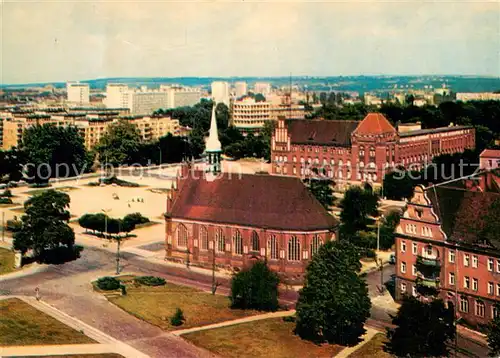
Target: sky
51, 41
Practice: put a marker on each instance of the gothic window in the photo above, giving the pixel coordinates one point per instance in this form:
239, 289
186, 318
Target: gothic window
220, 241
361, 151
255, 241
237, 243
294, 249
182, 236
315, 245
203, 236
372, 152
272, 246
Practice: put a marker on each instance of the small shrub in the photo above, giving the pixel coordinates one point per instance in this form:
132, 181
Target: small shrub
150, 281
108, 283
6, 194
5, 200
178, 318
13, 225
136, 218
289, 319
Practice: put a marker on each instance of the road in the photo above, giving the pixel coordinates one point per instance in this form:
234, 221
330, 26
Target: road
67, 287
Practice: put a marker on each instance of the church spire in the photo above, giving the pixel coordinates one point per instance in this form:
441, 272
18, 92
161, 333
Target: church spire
213, 142
213, 147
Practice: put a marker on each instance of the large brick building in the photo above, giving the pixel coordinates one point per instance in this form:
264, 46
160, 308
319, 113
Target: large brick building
359, 151
231, 220
445, 248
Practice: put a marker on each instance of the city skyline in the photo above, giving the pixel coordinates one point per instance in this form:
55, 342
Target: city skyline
57, 42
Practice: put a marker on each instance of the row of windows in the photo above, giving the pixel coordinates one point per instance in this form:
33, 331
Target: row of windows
294, 246
316, 149
479, 306
468, 260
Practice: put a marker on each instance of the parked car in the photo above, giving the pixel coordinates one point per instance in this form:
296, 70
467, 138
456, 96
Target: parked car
392, 259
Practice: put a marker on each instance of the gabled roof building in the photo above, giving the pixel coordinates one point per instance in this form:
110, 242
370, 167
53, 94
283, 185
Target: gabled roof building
359, 151
232, 220
448, 246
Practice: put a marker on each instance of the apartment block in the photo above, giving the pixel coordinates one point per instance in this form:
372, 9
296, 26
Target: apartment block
77, 93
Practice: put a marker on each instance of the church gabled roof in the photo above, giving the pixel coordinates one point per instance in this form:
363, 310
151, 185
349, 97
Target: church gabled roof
374, 124
264, 201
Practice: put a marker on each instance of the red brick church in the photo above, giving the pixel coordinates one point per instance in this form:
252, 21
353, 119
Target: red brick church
356, 151
233, 220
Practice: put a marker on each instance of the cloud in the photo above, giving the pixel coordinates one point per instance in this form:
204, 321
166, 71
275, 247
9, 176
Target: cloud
59, 41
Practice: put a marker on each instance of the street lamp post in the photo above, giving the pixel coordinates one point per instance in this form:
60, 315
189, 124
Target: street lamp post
3, 226
105, 211
118, 241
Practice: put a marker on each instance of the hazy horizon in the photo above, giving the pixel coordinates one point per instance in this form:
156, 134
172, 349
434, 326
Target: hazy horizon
57, 42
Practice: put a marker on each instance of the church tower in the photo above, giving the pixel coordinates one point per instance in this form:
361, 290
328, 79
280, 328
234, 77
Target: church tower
213, 148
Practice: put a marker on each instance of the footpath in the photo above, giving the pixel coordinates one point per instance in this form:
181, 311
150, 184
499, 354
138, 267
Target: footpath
106, 343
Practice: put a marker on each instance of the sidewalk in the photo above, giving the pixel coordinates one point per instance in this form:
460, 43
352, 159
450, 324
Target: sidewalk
234, 322
370, 332
108, 343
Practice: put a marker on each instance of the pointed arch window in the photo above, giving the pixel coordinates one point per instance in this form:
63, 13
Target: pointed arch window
294, 249
255, 241
203, 237
220, 241
315, 245
272, 247
182, 236
237, 243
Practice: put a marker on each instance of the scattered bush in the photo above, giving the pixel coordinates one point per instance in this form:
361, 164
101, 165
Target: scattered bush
150, 281
136, 218
5, 200
178, 318
13, 225
119, 182
289, 318
108, 283
6, 194
256, 288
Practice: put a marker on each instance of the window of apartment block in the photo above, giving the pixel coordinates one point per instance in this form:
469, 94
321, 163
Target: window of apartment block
403, 246
403, 287
474, 261
414, 248
451, 278
464, 304
474, 284
451, 256
466, 282
490, 288
479, 308
466, 259
498, 289
414, 290
414, 270
490, 264
495, 312
403, 267
498, 265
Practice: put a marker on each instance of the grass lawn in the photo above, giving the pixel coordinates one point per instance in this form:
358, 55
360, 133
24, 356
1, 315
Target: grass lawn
157, 304
21, 324
6, 261
265, 338
8, 205
148, 224
374, 348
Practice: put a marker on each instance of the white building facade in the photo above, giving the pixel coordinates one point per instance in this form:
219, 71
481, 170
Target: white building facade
78, 93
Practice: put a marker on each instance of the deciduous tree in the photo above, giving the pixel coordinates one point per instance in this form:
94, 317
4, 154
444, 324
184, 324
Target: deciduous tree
333, 304
422, 329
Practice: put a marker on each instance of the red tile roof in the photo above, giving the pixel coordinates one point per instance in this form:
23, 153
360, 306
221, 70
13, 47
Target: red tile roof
374, 123
322, 132
264, 201
490, 153
462, 206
